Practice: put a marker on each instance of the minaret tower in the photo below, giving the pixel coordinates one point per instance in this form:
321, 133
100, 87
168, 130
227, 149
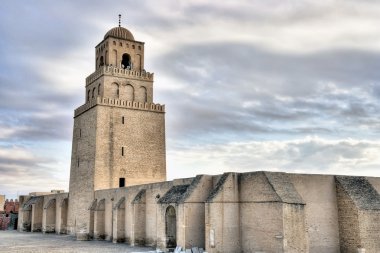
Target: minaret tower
119, 133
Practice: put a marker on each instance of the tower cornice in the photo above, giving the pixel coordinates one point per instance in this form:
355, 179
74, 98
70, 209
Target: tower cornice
119, 72
134, 105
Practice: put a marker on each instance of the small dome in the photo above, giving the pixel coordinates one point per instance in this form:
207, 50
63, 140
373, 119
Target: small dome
120, 33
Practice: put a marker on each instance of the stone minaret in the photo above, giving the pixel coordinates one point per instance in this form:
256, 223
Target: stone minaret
119, 133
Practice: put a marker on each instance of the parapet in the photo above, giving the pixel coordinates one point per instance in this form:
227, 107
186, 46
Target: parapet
119, 72
119, 103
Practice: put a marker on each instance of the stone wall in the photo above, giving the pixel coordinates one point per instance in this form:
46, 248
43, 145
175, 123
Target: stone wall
82, 172
223, 216
319, 194
359, 214
234, 212
134, 150
295, 235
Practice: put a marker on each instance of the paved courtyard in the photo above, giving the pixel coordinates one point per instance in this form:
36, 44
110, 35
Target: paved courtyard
13, 241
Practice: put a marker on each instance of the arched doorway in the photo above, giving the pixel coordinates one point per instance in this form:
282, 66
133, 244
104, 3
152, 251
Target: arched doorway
120, 222
170, 227
51, 208
64, 207
92, 209
99, 232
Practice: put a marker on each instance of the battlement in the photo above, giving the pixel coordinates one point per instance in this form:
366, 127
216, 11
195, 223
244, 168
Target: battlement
119, 103
119, 72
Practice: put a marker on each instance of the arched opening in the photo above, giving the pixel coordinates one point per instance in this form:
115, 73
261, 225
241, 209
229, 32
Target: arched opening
120, 216
101, 61
51, 208
142, 94
92, 218
93, 92
88, 95
27, 219
64, 208
170, 227
106, 60
114, 52
99, 89
99, 232
114, 90
138, 63
129, 93
126, 61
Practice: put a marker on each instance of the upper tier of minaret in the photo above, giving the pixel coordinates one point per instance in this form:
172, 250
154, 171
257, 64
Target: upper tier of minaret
119, 70
120, 49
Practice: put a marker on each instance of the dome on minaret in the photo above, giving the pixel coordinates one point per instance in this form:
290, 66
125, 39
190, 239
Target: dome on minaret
120, 33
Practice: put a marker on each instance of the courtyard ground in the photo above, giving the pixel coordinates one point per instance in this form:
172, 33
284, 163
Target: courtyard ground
12, 241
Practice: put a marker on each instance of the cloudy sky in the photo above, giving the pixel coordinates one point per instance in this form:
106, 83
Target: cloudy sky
248, 85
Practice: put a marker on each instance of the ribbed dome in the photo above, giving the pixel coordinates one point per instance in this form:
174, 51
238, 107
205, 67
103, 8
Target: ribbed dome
120, 33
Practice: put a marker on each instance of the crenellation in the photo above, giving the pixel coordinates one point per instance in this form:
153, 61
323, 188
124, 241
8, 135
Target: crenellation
119, 72
119, 103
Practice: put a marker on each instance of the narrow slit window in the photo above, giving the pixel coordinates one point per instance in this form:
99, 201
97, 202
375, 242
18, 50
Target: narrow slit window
121, 182
122, 120
122, 151
78, 162
80, 132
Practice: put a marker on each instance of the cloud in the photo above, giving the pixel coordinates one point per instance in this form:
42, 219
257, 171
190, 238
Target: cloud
306, 155
244, 81
244, 90
23, 171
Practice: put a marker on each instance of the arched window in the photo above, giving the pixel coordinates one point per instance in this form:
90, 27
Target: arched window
142, 94
114, 90
99, 88
106, 60
114, 52
138, 62
93, 92
129, 93
126, 62
88, 95
101, 63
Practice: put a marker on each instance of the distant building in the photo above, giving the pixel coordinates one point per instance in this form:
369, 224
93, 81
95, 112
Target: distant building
2, 202
9, 214
118, 188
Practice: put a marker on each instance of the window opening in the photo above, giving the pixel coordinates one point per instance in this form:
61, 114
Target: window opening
101, 61
121, 182
126, 61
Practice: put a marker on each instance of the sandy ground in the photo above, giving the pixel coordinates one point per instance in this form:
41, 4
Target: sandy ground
13, 241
